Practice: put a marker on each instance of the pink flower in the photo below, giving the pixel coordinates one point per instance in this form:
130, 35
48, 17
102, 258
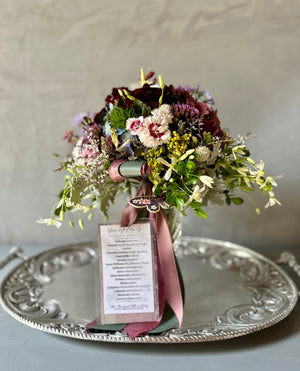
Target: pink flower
152, 130
83, 152
134, 124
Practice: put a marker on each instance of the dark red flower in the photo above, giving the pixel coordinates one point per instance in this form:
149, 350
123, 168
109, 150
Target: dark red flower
116, 99
148, 95
99, 117
211, 123
176, 95
202, 108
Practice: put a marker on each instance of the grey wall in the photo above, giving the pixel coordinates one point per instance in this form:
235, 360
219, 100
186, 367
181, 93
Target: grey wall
59, 58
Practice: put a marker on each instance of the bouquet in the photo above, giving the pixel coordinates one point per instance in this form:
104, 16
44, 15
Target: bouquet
170, 140
190, 160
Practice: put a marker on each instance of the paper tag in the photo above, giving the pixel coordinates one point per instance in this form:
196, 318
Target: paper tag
128, 273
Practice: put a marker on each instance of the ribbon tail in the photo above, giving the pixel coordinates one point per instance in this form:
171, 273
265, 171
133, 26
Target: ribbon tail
168, 266
137, 329
130, 213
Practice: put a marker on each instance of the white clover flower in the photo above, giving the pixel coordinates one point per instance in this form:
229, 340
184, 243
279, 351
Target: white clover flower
202, 153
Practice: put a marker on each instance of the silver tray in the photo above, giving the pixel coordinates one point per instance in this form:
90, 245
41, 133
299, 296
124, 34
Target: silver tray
230, 291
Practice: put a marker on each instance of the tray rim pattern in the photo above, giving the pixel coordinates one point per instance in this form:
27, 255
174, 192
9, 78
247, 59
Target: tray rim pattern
78, 330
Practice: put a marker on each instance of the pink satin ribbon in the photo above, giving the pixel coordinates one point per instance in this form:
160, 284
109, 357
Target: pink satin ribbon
168, 266
139, 328
113, 170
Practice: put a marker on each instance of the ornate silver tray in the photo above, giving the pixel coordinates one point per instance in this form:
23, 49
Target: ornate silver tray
230, 291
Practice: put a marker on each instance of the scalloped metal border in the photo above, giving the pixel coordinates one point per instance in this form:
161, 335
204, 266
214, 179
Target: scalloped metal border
171, 336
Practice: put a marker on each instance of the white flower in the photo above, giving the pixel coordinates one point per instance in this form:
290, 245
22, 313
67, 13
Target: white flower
155, 129
196, 195
154, 132
207, 180
268, 180
163, 113
272, 200
202, 153
83, 152
51, 221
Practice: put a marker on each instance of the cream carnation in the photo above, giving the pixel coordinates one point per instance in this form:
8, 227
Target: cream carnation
154, 133
163, 114
155, 128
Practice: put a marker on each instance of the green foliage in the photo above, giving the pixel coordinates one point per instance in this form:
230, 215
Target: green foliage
180, 168
229, 198
175, 195
107, 196
207, 139
76, 189
196, 206
237, 200
118, 116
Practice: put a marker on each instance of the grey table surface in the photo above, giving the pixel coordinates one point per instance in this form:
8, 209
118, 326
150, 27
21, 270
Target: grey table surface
24, 348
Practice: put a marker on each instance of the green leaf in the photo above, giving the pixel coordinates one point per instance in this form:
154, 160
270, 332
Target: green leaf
175, 196
158, 190
76, 190
237, 200
108, 195
196, 206
118, 116
180, 168
207, 139
179, 202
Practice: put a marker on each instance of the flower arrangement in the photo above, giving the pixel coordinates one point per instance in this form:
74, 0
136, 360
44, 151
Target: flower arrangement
176, 131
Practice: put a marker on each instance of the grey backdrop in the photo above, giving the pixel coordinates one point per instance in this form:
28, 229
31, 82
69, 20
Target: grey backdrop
59, 58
